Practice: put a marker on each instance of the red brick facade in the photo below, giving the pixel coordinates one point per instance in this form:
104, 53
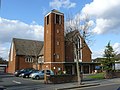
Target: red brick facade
54, 40
57, 53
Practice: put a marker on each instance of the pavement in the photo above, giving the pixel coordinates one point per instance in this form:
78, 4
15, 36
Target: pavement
89, 83
77, 86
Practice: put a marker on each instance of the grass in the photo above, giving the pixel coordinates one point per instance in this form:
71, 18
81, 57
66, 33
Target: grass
96, 76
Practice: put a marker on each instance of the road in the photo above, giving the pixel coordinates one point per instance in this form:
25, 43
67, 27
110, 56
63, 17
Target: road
11, 82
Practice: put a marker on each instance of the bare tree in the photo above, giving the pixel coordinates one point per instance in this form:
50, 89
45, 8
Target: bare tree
36, 51
80, 26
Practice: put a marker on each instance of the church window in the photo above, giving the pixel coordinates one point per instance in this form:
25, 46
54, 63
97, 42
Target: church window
57, 30
47, 19
58, 43
58, 19
28, 59
58, 56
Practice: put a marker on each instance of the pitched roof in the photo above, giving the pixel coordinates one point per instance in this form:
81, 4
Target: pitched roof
28, 47
117, 56
72, 35
56, 11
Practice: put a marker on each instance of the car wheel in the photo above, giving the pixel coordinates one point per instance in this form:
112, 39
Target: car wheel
37, 77
26, 76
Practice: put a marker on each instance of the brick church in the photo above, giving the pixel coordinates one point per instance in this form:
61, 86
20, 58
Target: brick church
54, 53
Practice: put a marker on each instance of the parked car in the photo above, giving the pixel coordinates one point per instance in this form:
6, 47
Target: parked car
18, 72
40, 74
27, 74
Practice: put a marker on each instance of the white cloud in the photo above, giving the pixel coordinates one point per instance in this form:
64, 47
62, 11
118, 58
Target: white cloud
57, 4
16, 29
97, 54
106, 13
116, 47
4, 50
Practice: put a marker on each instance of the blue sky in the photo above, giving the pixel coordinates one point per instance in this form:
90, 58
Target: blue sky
25, 19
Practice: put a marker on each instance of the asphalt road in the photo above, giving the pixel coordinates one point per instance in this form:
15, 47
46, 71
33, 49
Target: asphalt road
11, 82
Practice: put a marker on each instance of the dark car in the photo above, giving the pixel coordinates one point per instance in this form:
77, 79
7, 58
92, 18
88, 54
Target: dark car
26, 74
18, 72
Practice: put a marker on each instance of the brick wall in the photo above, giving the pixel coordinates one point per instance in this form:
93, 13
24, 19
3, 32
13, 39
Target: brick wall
22, 64
86, 54
69, 53
51, 37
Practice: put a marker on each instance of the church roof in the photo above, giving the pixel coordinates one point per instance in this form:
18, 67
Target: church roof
56, 11
72, 34
28, 47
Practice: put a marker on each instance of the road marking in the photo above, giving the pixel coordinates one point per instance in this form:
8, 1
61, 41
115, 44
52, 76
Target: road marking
16, 82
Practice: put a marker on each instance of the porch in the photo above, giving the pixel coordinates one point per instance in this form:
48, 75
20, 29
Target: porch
84, 67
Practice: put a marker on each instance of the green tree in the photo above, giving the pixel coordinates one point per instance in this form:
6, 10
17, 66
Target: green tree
109, 58
3, 61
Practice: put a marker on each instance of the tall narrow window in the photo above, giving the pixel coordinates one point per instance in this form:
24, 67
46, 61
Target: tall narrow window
58, 56
11, 54
58, 19
47, 31
58, 43
47, 19
60, 22
57, 30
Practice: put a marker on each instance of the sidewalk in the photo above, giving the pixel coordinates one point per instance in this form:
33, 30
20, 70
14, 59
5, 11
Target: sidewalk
86, 84
78, 86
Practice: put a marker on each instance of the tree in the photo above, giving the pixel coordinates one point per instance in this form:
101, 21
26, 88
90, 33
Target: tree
3, 61
80, 27
109, 60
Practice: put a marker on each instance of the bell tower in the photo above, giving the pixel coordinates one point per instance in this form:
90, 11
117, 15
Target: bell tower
54, 54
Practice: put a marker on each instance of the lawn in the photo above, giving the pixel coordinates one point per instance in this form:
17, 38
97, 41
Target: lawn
96, 76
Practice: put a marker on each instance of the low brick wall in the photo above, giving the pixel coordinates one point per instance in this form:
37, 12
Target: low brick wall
62, 78
116, 74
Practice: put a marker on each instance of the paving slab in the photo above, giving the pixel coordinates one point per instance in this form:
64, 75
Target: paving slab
77, 86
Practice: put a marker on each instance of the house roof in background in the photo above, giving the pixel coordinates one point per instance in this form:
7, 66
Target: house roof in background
117, 56
28, 47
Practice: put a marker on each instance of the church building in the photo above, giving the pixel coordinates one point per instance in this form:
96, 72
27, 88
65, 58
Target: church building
53, 53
